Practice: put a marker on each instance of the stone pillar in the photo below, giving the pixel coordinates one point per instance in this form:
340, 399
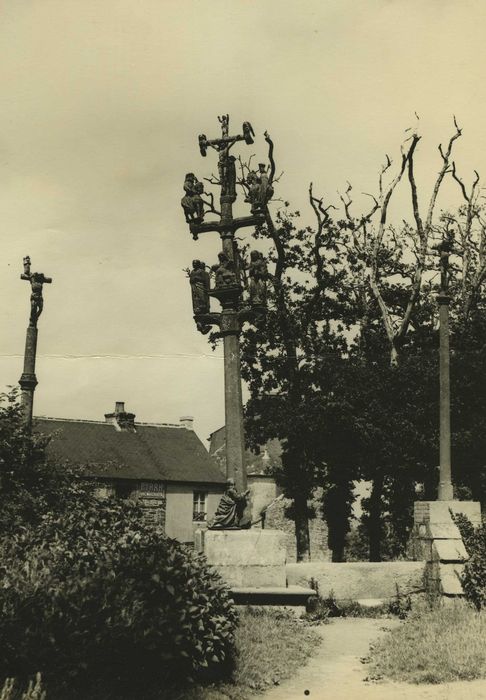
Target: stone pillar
233, 402
28, 380
445, 479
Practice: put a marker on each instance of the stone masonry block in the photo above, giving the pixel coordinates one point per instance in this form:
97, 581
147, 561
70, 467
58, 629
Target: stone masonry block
450, 581
439, 511
253, 558
443, 531
449, 550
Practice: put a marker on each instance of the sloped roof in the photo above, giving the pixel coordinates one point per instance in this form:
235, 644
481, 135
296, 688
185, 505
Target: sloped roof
162, 453
255, 464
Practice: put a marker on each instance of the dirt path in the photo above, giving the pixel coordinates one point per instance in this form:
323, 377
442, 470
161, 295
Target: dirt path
336, 672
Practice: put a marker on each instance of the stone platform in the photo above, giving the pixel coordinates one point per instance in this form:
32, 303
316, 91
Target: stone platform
252, 562
437, 540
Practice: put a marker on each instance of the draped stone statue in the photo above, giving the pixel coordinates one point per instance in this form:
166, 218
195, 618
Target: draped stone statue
199, 280
230, 513
258, 279
260, 191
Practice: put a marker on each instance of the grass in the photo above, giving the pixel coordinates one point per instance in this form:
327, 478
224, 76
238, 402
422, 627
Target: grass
438, 645
271, 645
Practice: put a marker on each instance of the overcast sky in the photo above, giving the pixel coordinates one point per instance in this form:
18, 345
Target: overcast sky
101, 105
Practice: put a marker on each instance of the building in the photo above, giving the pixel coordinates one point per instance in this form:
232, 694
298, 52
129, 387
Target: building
269, 508
164, 466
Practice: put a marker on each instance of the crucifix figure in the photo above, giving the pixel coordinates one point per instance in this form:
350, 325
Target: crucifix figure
37, 280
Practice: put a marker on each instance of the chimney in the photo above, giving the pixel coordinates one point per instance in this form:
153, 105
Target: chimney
187, 422
120, 418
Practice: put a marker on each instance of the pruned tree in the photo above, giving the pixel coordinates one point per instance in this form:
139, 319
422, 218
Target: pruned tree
389, 264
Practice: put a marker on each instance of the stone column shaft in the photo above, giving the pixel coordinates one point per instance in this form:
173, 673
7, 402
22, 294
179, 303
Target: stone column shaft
445, 479
28, 380
235, 437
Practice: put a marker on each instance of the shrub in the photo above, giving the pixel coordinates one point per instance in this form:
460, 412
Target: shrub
89, 592
94, 593
474, 576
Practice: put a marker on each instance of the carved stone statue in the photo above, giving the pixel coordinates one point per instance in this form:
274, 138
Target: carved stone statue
266, 188
258, 279
230, 513
248, 133
37, 280
260, 190
224, 272
254, 193
199, 280
192, 201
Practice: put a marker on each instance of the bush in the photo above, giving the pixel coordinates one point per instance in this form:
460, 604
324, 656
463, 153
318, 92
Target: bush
94, 594
474, 577
90, 594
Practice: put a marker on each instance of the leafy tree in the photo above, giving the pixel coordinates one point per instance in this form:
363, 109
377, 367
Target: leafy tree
345, 368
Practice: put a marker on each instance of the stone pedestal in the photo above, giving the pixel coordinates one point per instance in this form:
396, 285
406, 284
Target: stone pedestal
437, 540
247, 558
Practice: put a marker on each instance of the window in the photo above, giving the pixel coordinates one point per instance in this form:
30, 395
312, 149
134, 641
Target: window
199, 505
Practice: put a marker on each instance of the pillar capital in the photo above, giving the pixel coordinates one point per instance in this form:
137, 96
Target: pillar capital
28, 381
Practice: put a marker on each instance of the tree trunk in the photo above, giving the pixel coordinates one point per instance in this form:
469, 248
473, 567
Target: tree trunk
394, 356
302, 528
375, 507
337, 554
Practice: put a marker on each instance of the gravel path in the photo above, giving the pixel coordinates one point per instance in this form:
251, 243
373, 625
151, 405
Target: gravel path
336, 672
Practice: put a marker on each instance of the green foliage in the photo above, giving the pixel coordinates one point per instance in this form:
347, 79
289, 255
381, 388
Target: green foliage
30, 484
474, 576
93, 595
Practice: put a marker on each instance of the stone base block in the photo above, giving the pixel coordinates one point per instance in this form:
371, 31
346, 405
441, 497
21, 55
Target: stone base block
437, 540
247, 558
437, 512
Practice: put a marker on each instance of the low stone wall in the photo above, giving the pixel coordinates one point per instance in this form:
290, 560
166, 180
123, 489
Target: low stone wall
359, 580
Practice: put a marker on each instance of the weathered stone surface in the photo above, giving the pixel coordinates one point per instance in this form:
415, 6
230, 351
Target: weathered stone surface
450, 582
359, 580
438, 511
443, 531
252, 558
449, 550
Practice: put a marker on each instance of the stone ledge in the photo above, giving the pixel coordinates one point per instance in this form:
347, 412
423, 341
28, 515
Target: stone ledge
292, 596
